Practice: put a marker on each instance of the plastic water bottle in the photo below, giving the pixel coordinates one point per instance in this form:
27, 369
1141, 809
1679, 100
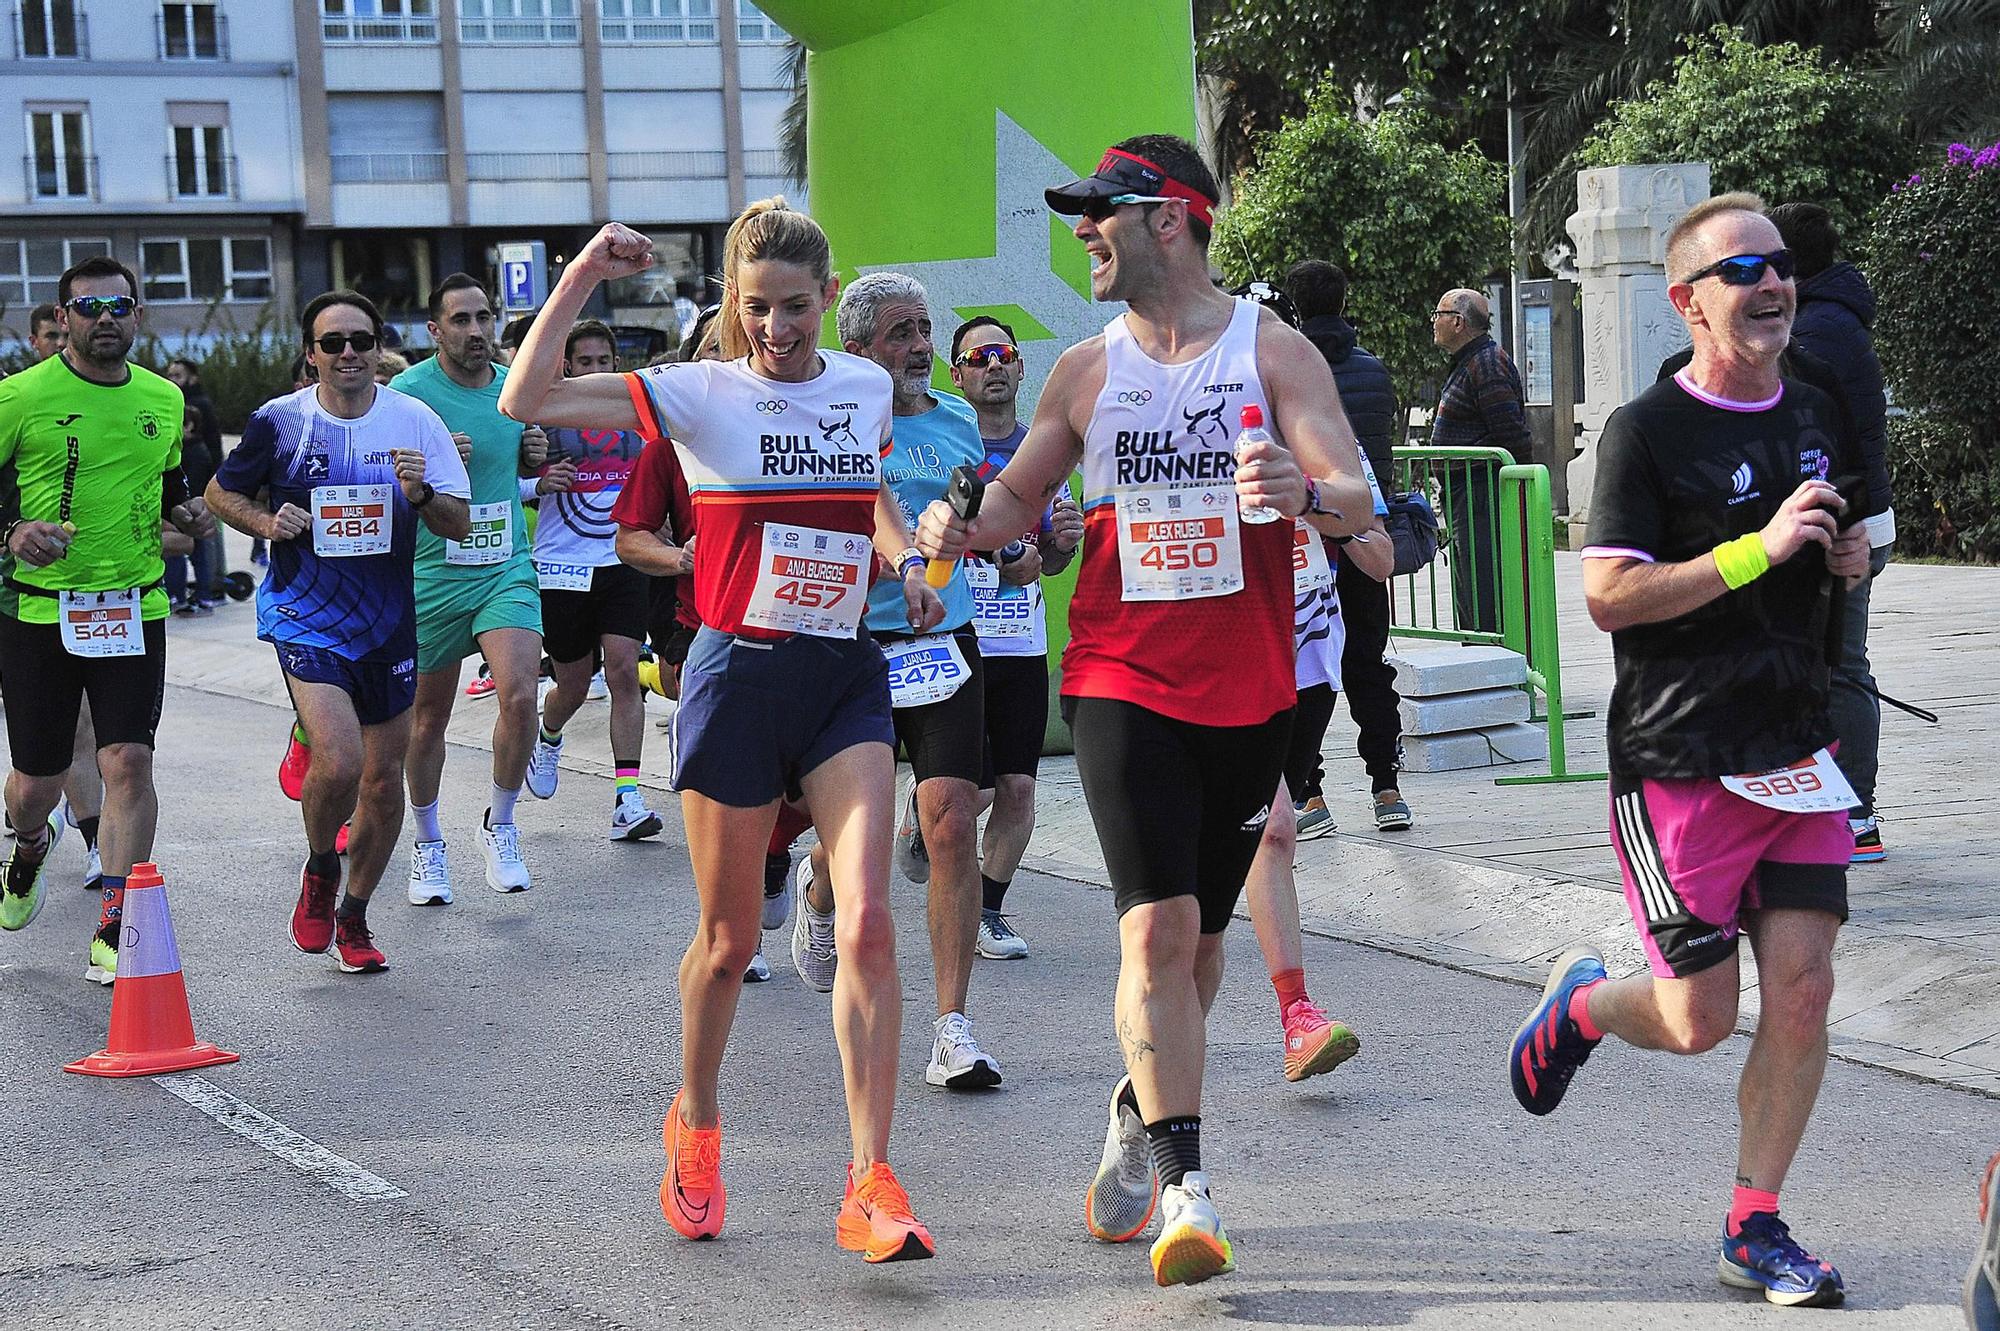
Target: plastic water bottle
1254, 432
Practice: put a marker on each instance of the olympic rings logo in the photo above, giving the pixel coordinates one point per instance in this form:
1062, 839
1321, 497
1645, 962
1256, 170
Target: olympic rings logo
1136, 399
772, 406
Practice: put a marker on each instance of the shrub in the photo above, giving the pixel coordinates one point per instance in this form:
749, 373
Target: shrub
1947, 488
1405, 216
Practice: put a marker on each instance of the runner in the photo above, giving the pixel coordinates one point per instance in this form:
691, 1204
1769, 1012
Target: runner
592, 604
89, 446
1178, 679
1713, 564
475, 595
1013, 626
780, 691
350, 469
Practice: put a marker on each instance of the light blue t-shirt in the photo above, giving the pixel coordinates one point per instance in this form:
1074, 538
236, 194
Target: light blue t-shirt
922, 452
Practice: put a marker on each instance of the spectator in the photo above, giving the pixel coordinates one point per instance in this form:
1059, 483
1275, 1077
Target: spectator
44, 333
200, 460
1835, 309
389, 365
1480, 406
1319, 291
511, 338
192, 598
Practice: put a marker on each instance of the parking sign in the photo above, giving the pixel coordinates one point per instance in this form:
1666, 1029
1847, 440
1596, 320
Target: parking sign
524, 276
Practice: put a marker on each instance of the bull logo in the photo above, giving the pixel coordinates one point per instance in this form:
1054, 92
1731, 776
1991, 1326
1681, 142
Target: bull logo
1199, 423
840, 432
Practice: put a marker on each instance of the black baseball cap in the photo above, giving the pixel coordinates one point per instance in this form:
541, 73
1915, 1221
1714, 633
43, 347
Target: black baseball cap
1122, 177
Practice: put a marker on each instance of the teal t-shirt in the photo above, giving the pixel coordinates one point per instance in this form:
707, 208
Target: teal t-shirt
922, 452
495, 469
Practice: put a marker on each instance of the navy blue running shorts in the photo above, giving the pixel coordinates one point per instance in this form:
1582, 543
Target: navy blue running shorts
381, 690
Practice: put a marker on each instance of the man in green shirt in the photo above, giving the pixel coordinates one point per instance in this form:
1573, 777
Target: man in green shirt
90, 461
479, 594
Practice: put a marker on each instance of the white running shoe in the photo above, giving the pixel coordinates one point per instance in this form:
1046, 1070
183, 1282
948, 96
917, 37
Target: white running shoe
631, 820
93, 870
542, 770
912, 860
598, 690
759, 970
430, 879
997, 939
812, 935
957, 1061
1122, 1196
506, 871
1192, 1245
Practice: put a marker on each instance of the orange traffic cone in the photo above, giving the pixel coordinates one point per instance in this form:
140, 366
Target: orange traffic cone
151, 1030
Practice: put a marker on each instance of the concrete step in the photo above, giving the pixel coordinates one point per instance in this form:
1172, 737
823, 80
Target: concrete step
1425, 672
1438, 715
1516, 742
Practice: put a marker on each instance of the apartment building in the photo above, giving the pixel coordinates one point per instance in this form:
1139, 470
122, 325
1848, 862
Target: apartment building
242, 153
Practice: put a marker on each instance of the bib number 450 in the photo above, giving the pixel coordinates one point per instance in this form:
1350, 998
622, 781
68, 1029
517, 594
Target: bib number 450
1175, 558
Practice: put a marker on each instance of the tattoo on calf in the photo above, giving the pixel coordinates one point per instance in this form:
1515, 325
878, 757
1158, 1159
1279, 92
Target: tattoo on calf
1136, 1048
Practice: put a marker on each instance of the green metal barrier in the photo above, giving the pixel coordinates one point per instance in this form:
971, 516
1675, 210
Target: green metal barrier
1499, 514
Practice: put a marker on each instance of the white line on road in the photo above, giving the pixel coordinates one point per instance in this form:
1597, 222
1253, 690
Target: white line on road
335, 1171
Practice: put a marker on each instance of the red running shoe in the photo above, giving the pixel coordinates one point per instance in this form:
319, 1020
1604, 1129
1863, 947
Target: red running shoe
293, 766
340, 839
691, 1192
312, 918
875, 1219
482, 686
358, 953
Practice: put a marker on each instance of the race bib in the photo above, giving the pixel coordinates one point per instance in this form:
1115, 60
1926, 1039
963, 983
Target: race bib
810, 581
101, 623
1177, 541
350, 520
1810, 785
998, 611
1310, 571
924, 670
563, 577
491, 540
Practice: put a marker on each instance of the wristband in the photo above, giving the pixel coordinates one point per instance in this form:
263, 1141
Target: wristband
1312, 496
430, 493
1742, 561
908, 557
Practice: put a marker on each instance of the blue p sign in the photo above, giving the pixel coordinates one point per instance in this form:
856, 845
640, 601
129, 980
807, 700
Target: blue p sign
518, 284
524, 276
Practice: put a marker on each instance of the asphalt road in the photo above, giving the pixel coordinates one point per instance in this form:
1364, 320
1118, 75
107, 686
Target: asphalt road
509, 1073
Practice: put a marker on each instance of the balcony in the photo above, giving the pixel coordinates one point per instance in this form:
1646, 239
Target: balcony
527, 166
388, 168
669, 166
51, 30
346, 29
195, 32
203, 178
58, 181
527, 31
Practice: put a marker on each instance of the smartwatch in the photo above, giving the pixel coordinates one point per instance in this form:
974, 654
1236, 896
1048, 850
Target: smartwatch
429, 494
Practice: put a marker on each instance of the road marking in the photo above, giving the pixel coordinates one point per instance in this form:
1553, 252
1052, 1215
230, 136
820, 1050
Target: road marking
303, 1153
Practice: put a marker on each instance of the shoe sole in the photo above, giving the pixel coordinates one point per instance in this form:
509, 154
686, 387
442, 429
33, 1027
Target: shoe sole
978, 1077
1392, 824
1316, 831
1021, 955
1189, 1256
1326, 1058
1557, 974
650, 825
1868, 857
858, 1235
1821, 1296
419, 897
370, 969
98, 975
1980, 1296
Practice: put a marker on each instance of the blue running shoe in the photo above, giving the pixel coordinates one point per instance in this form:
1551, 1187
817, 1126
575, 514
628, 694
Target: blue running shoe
1763, 1255
1548, 1049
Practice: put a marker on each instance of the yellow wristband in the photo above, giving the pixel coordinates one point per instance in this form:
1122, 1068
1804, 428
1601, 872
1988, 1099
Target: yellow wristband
1742, 561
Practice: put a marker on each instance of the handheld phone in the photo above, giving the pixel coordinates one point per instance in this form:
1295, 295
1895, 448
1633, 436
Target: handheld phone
963, 493
1853, 488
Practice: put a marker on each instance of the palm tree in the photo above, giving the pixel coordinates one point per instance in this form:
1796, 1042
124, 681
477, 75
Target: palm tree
792, 129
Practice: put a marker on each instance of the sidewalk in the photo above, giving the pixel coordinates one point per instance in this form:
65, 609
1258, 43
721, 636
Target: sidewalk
1497, 880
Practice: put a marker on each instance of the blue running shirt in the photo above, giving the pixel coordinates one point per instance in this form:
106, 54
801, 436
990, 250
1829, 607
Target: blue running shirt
917, 464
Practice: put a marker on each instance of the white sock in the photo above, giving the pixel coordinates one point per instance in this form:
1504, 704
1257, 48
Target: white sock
427, 821
502, 808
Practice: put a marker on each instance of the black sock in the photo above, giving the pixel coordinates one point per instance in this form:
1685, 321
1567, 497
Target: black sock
1176, 1144
323, 864
991, 894
777, 868
88, 826
353, 907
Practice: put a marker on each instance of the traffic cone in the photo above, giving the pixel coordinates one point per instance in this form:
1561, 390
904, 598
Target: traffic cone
151, 1030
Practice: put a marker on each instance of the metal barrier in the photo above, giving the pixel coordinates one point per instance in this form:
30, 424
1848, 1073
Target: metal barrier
1498, 543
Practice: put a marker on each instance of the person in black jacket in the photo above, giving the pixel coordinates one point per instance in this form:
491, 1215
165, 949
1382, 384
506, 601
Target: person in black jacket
1835, 310
1319, 291
213, 566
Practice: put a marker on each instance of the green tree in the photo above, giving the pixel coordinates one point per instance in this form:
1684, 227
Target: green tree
1406, 216
1775, 119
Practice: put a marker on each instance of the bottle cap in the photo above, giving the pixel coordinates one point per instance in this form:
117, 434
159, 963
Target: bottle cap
1253, 416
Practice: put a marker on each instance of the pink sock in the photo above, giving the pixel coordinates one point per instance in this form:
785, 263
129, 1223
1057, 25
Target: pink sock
1748, 1201
1291, 987
1579, 1011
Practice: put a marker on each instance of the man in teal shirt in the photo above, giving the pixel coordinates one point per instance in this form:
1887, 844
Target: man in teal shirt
479, 594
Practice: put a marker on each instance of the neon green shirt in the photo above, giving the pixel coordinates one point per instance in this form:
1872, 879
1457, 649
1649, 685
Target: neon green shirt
495, 464
90, 454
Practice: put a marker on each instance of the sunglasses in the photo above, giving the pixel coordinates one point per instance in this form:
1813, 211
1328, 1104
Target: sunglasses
94, 307
1099, 209
335, 343
1746, 270
998, 353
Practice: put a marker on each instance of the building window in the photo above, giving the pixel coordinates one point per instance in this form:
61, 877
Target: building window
201, 167
51, 30
392, 269
59, 162
517, 21
193, 30
181, 269
659, 21
378, 20
753, 27
31, 270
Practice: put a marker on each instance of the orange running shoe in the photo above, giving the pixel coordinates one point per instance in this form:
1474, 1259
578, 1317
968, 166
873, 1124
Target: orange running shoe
691, 1193
293, 766
1314, 1044
875, 1219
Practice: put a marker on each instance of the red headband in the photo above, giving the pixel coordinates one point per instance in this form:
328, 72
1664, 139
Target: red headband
1200, 206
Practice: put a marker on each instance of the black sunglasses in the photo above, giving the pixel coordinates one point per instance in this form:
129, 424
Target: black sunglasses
1747, 270
335, 343
92, 307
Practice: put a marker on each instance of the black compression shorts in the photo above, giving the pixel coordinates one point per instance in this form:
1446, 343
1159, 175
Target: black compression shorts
948, 737
1017, 714
615, 606
44, 687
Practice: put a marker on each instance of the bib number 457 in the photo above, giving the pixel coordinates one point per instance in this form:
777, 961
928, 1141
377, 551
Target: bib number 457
809, 595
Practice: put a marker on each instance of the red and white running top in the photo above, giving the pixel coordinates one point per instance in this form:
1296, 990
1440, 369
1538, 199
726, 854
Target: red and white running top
800, 457
1180, 607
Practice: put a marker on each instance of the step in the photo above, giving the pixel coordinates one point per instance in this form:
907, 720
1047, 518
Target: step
1438, 715
1424, 672
1491, 747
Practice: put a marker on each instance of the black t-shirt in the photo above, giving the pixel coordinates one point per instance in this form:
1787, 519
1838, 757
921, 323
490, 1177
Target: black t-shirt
1740, 684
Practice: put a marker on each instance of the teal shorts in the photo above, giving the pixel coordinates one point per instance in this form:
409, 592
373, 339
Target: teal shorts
452, 612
